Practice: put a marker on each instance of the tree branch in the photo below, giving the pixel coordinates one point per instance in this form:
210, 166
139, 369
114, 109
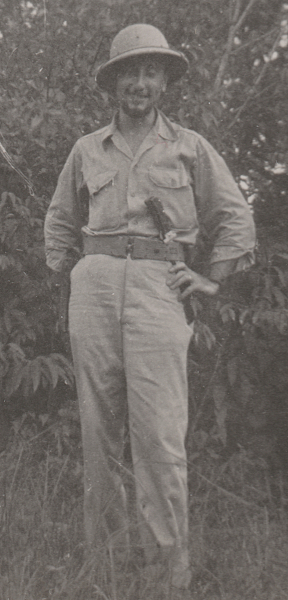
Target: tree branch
96, 54
245, 13
254, 41
252, 91
13, 166
236, 23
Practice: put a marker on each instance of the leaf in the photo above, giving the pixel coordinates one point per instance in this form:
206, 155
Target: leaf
52, 369
227, 313
67, 372
243, 314
232, 369
35, 373
281, 274
281, 320
201, 333
279, 296
208, 336
44, 419
16, 352
14, 380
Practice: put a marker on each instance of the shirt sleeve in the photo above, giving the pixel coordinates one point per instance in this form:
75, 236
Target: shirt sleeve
63, 220
222, 210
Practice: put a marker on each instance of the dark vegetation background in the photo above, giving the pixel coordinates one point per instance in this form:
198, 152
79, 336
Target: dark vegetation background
235, 94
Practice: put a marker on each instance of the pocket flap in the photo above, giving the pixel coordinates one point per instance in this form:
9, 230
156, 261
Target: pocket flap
98, 181
169, 178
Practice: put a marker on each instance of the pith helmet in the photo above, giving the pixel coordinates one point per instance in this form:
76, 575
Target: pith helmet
137, 40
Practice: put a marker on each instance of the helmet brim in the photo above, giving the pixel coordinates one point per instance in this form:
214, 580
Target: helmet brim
176, 65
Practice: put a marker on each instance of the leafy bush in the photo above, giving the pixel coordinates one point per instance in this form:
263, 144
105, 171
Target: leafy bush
235, 93
239, 390
28, 340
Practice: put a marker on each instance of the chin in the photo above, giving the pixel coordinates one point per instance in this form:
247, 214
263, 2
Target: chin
136, 111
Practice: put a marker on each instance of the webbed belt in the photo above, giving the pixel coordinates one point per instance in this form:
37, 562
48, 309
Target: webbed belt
136, 247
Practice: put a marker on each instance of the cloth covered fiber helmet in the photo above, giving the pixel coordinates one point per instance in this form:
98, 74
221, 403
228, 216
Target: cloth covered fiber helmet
137, 40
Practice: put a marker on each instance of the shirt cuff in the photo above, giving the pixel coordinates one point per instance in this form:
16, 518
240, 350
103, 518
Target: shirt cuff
54, 259
245, 258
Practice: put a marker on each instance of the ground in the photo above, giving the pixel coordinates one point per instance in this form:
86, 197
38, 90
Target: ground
238, 524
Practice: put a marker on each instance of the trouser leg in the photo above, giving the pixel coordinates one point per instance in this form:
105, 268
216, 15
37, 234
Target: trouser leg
127, 326
96, 341
155, 342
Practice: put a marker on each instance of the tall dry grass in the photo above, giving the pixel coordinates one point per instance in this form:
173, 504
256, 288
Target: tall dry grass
238, 525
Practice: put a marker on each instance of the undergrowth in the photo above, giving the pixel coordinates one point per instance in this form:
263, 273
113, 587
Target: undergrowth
238, 524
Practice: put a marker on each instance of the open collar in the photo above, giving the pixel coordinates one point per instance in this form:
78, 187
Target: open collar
110, 129
163, 128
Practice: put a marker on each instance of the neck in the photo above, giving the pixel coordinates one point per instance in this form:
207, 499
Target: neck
136, 125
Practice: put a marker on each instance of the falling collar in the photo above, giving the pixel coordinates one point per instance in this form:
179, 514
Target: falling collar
163, 128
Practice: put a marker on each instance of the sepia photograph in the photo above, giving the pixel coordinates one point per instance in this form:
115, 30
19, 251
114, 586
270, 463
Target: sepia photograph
143, 300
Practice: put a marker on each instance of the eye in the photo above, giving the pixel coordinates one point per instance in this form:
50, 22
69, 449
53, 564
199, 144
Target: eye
151, 71
130, 72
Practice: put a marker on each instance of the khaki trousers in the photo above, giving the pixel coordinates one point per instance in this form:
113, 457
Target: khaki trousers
129, 341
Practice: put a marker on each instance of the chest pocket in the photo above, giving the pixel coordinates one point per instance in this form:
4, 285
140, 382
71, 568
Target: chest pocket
104, 213
173, 188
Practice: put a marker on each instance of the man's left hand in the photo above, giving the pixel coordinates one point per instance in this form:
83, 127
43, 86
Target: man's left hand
180, 276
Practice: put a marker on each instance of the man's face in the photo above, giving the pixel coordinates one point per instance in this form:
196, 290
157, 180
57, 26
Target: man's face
140, 82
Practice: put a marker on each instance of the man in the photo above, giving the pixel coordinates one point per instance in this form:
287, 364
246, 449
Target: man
128, 331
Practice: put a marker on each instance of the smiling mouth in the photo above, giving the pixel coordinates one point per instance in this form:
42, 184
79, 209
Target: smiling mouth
138, 97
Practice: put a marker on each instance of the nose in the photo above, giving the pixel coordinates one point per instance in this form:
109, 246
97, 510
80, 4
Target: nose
140, 78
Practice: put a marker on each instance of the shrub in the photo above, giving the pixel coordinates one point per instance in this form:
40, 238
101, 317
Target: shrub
30, 350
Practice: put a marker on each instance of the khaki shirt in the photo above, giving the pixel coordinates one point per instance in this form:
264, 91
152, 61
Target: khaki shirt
174, 164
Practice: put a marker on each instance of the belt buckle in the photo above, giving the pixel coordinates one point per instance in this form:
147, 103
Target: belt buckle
130, 246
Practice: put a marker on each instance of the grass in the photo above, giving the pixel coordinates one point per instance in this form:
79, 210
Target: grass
238, 524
